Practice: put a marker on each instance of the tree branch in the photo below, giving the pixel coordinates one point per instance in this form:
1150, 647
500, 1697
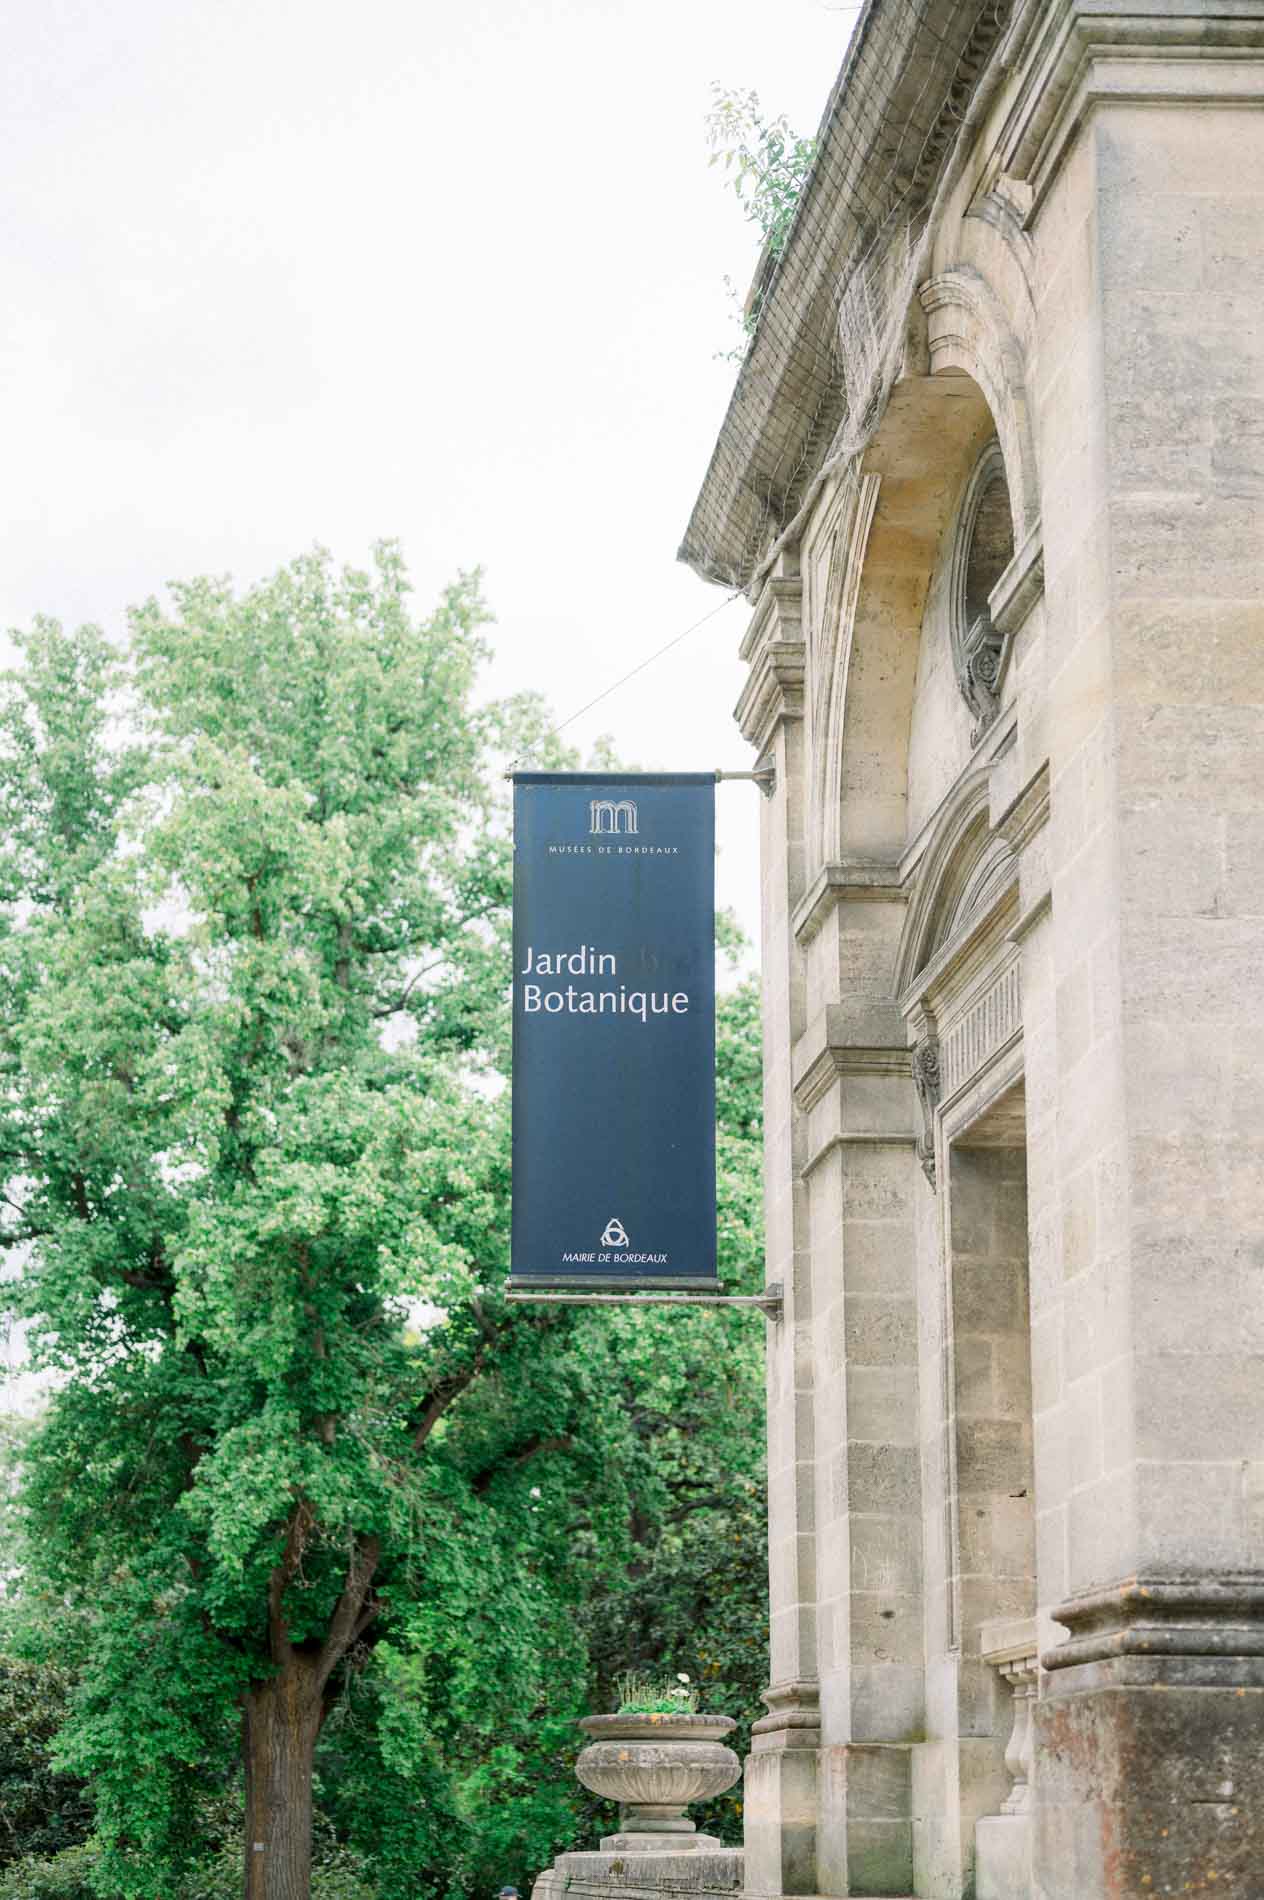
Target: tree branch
282, 1576
437, 963
442, 1395
521, 1455
350, 1614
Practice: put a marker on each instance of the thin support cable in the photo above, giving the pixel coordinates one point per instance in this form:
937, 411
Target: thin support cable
647, 661
631, 674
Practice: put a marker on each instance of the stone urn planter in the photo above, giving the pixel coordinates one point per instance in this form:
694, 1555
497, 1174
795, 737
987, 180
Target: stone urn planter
654, 1766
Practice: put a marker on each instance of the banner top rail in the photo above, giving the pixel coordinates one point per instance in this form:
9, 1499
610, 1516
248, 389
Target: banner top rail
613, 778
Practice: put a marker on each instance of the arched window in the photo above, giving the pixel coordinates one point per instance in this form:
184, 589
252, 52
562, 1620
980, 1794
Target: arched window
983, 549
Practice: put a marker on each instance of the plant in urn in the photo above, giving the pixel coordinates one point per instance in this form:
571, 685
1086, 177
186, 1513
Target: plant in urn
654, 1757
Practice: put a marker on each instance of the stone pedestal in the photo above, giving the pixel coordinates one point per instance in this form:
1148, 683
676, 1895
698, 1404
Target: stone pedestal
712, 1870
780, 1793
1150, 1771
1002, 1849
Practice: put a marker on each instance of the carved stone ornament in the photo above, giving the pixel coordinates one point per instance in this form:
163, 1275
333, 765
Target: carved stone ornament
977, 658
983, 549
926, 1080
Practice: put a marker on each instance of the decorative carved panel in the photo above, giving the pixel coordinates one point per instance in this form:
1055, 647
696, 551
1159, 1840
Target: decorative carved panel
984, 1027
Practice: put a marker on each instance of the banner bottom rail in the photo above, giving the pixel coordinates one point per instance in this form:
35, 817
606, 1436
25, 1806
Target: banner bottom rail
770, 1302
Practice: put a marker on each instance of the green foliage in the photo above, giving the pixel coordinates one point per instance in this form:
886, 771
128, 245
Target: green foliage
766, 162
642, 1694
767, 165
338, 1874
64, 1876
41, 1811
255, 1024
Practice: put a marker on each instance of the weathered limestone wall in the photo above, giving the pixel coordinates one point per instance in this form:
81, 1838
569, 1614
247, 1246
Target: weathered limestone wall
1180, 220
1151, 400
1011, 968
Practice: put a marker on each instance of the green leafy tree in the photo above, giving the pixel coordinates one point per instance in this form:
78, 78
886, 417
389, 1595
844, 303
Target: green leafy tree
247, 964
309, 1498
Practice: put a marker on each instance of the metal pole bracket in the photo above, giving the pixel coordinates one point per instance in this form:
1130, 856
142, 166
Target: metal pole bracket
770, 1302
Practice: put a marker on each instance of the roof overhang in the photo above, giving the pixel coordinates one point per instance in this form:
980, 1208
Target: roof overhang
893, 118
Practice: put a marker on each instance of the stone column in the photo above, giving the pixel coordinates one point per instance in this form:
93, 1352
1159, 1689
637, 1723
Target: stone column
1144, 145
853, 1086
780, 1786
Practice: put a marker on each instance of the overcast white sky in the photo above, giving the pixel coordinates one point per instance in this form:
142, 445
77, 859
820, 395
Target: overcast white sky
286, 271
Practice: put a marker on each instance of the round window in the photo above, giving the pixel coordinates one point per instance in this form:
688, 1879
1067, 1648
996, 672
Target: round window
983, 549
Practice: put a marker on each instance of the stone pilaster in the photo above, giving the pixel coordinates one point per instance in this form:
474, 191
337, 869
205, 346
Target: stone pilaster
854, 1090
780, 1786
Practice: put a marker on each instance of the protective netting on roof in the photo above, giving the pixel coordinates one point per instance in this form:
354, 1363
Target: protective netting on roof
834, 308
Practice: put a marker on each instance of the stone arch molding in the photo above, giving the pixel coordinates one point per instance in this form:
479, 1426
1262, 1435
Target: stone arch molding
966, 874
883, 528
831, 619
963, 868
968, 330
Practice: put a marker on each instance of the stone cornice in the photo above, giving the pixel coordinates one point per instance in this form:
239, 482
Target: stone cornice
830, 1063
1020, 586
863, 1037
773, 647
1073, 55
1057, 59
835, 884
1008, 1639
958, 965
773, 692
851, 1138
778, 614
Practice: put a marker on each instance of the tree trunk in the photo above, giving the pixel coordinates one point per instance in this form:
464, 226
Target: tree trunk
281, 1722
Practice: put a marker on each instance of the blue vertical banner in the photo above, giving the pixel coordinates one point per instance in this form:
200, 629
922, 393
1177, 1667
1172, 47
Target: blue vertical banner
614, 1030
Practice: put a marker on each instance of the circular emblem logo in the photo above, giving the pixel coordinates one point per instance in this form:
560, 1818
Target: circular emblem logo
614, 1235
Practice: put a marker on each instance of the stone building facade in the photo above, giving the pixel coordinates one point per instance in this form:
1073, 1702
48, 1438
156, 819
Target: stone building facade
993, 479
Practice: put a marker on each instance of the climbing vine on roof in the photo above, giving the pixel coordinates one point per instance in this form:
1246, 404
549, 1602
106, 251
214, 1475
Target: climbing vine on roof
767, 164
766, 161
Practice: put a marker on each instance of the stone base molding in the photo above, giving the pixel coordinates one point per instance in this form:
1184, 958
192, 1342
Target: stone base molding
780, 1808
1204, 1617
